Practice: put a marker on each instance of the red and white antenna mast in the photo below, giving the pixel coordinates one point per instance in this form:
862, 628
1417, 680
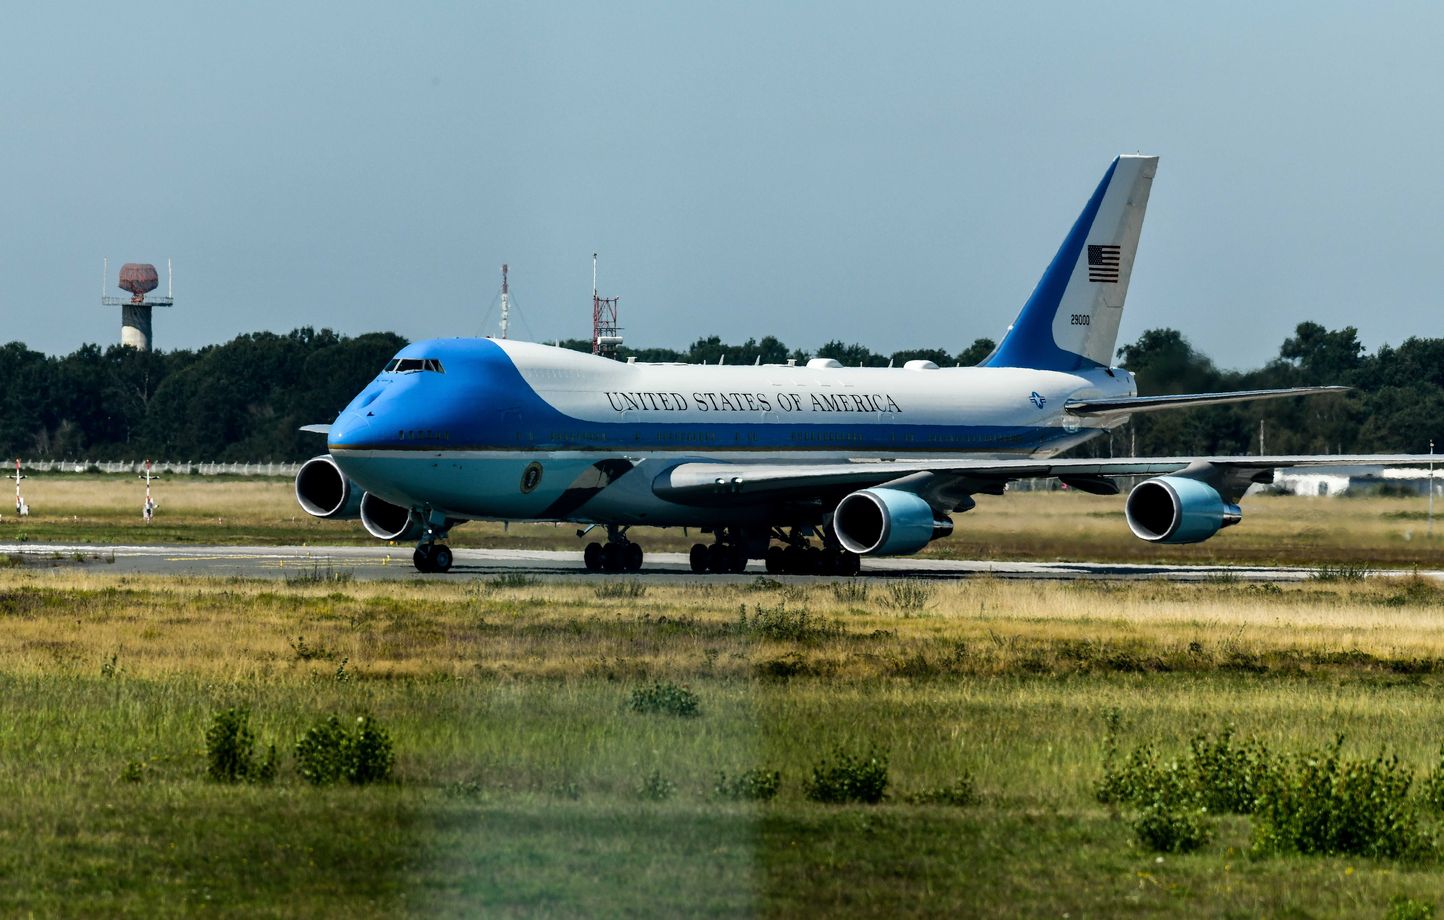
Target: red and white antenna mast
21, 508
505, 302
148, 512
605, 331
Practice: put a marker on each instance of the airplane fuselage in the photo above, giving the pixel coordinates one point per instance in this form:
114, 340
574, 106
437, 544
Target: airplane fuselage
505, 430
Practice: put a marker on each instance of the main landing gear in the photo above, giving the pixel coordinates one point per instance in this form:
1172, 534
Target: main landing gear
432, 557
795, 556
618, 554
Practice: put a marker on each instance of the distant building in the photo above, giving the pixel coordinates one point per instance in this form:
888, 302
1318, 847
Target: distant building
1341, 479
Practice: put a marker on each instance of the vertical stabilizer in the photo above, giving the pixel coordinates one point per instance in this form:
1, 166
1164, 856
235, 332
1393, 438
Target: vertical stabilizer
1071, 320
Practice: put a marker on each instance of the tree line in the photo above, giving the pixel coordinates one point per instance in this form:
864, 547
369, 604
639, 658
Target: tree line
246, 399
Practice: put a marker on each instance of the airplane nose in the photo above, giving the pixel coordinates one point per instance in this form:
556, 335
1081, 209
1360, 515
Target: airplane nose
350, 429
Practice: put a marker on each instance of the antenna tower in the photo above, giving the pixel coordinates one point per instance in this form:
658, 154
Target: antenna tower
505, 302
139, 279
606, 334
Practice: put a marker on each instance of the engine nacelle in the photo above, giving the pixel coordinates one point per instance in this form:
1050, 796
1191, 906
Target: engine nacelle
323, 491
1173, 509
386, 521
887, 522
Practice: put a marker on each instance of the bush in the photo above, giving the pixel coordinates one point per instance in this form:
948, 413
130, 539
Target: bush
657, 787
750, 785
959, 794
625, 588
1218, 775
910, 596
665, 698
1228, 778
230, 750
1323, 804
1403, 908
848, 778
1171, 828
780, 623
328, 753
1431, 791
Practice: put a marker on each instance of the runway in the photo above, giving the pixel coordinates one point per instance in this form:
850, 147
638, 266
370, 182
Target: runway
393, 563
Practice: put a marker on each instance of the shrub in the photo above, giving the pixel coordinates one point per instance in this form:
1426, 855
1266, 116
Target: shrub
657, 787
1171, 828
909, 596
780, 623
848, 778
665, 698
960, 793
1431, 791
852, 591
1226, 777
230, 746
1403, 908
329, 752
749, 785
627, 588
1323, 804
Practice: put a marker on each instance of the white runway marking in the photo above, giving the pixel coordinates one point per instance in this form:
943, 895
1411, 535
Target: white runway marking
394, 562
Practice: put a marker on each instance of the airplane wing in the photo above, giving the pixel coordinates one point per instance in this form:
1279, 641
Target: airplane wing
1132, 404
316, 429
946, 484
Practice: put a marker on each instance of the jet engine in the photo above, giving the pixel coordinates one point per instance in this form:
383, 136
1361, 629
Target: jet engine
1174, 509
386, 521
324, 491
887, 522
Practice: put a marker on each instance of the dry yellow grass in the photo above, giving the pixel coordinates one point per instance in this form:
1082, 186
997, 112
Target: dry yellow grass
249, 630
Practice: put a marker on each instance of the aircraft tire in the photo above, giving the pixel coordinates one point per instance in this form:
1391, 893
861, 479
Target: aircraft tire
776, 560
851, 564
441, 558
633, 557
794, 560
612, 558
698, 558
422, 558
592, 556
718, 561
738, 557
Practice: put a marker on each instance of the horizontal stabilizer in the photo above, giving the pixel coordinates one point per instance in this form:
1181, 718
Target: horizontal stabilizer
1130, 404
316, 429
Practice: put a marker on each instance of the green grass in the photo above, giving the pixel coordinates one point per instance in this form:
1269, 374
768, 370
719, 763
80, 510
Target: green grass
521, 765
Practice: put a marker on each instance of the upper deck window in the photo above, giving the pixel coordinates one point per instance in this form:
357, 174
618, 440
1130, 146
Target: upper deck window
412, 365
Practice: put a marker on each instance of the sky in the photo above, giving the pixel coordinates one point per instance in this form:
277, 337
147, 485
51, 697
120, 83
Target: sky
892, 174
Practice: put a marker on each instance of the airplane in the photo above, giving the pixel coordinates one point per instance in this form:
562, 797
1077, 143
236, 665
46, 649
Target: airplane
807, 466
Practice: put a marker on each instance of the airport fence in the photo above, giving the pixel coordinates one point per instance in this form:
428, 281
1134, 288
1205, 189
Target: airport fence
188, 468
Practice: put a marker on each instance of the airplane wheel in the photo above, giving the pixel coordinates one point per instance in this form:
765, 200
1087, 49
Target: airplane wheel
612, 558
592, 556
633, 557
441, 558
422, 558
738, 557
776, 560
794, 559
851, 563
698, 558
812, 564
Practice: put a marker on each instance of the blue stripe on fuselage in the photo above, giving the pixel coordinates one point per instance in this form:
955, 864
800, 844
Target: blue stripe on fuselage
482, 402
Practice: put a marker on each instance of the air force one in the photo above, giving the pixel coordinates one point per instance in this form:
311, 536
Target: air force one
808, 466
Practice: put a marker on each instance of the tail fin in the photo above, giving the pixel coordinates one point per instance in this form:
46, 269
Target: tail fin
1071, 321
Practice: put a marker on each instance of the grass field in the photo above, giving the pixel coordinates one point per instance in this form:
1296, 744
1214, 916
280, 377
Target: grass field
527, 784
1385, 532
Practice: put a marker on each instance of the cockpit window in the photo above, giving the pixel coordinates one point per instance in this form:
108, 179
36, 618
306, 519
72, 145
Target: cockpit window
412, 365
